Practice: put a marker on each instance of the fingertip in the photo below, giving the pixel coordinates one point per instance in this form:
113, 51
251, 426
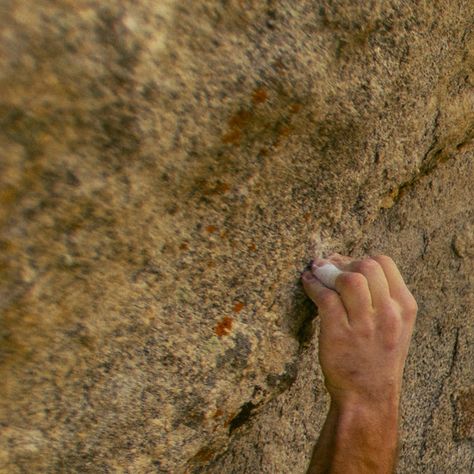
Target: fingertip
319, 262
308, 279
307, 276
319, 293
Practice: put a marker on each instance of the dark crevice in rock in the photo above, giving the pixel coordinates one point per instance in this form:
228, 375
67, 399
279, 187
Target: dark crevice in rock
305, 332
243, 416
434, 157
429, 165
284, 380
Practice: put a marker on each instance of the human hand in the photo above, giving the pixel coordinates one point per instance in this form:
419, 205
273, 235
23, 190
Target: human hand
366, 327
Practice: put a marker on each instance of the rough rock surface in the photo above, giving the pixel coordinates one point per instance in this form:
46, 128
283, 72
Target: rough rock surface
167, 169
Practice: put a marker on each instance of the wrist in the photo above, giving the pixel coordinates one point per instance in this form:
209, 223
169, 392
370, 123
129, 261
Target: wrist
371, 419
386, 403
374, 412
386, 411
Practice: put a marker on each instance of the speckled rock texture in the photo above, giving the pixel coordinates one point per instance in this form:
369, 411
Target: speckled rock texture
167, 170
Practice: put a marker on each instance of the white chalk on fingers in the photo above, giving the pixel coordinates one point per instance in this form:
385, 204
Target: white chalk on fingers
327, 274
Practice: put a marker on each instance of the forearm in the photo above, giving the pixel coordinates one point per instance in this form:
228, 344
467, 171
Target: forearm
357, 438
321, 458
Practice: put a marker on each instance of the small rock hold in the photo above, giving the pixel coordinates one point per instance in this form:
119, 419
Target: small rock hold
463, 242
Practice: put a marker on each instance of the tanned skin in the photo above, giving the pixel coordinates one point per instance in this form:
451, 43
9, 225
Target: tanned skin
365, 331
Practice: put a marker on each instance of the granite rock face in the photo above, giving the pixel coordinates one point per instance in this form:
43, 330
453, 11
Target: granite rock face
167, 170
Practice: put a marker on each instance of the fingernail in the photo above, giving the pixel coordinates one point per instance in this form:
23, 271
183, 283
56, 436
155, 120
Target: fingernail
307, 276
318, 262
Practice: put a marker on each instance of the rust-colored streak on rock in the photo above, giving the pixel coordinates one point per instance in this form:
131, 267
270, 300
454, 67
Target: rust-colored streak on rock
240, 119
238, 307
282, 134
279, 67
259, 96
211, 229
295, 108
224, 327
237, 123
229, 419
203, 455
232, 138
209, 188
222, 188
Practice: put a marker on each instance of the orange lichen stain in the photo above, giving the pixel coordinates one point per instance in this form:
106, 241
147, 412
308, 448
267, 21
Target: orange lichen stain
221, 188
209, 188
252, 247
238, 307
259, 96
283, 132
184, 246
307, 216
295, 108
203, 455
224, 326
240, 119
232, 138
217, 416
211, 229
236, 124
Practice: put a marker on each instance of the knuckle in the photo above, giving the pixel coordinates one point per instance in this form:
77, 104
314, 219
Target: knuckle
383, 260
352, 280
326, 299
412, 305
410, 314
389, 311
367, 266
406, 306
